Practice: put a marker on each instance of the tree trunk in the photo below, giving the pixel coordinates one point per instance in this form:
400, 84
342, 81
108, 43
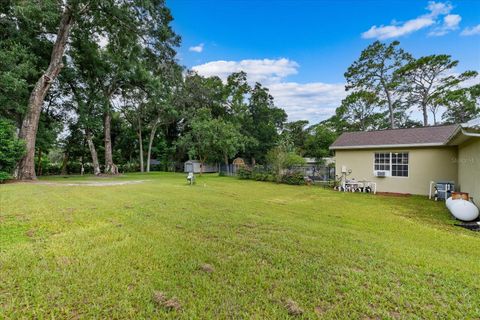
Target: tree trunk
425, 114
140, 142
226, 164
150, 143
28, 131
110, 167
202, 163
390, 109
39, 164
64, 164
93, 152
82, 157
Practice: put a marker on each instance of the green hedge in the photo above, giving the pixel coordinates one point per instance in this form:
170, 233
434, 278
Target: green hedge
244, 173
11, 149
294, 178
260, 174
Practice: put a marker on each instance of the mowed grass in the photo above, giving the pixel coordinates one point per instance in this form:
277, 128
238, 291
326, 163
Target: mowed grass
69, 252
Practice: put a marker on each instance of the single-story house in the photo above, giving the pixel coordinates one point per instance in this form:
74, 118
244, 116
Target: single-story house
195, 166
407, 160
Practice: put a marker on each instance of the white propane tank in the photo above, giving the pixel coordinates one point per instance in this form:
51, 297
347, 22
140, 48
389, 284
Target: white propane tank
462, 209
449, 202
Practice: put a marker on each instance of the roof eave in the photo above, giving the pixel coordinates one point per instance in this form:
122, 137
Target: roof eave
457, 130
411, 145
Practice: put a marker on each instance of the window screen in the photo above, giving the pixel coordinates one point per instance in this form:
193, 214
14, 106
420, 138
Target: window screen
394, 162
400, 164
382, 161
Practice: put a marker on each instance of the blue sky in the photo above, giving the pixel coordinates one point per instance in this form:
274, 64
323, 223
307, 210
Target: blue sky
300, 49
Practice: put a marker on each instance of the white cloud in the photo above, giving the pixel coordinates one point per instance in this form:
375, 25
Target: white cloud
439, 8
198, 48
436, 9
471, 31
470, 82
386, 32
262, 70
450, 22
312, 101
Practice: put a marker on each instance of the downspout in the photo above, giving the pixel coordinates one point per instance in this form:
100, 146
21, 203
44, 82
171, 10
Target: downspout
471, 134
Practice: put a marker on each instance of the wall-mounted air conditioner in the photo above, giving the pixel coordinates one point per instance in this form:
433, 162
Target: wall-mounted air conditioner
380, 173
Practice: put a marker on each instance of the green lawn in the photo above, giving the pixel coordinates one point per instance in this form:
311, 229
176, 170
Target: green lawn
228, 248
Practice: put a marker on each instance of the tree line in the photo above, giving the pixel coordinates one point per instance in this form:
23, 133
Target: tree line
94, 86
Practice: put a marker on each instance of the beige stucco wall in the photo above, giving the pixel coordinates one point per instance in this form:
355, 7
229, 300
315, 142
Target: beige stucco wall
425, 165
469, 168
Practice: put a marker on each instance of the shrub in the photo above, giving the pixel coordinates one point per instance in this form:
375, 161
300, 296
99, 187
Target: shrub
157, 167
280, 158
260, 176
49, 169
294, 178
260, 173
129, 167
244, 173
76, 168
4, 176
11, 149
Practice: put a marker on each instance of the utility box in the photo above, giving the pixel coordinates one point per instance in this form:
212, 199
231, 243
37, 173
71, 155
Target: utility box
444, 189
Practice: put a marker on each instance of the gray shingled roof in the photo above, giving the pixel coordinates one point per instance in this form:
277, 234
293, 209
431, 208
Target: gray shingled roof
424, 136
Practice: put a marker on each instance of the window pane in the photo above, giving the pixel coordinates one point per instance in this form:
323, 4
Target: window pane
400, 170
382, 161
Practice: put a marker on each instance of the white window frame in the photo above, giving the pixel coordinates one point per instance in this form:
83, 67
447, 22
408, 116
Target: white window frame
389, 172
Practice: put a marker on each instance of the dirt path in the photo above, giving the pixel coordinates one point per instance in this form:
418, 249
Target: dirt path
91, 183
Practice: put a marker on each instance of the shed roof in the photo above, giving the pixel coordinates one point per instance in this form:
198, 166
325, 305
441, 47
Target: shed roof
193, 161
410, 137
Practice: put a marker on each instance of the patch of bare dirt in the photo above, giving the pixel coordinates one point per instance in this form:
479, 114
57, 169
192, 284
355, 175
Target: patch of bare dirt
207, 268
161, 300
30, 233
88, 183
159, 297
319, 311
64, 261
172, 304
293, 308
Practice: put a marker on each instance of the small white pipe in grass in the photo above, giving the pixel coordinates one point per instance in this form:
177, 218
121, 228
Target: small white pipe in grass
430, 190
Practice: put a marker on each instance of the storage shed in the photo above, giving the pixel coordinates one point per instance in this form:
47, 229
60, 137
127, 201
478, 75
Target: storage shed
195, 166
